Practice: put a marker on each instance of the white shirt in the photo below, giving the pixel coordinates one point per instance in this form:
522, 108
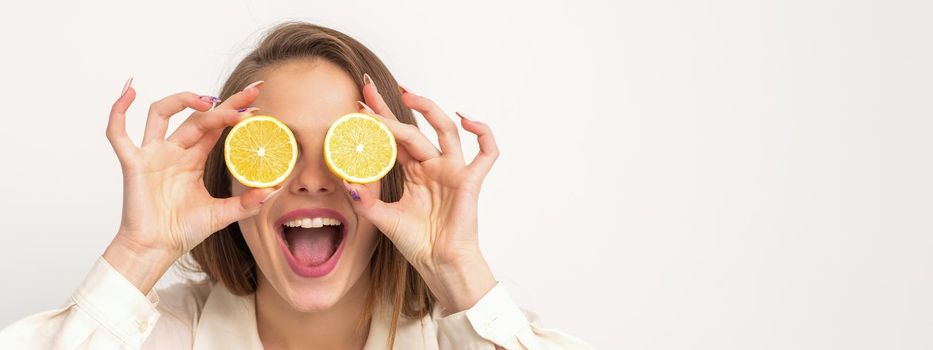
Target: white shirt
109, 312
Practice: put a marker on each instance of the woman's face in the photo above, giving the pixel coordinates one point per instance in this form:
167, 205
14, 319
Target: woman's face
311, 268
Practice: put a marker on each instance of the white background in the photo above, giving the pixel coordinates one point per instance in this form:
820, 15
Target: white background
674, 174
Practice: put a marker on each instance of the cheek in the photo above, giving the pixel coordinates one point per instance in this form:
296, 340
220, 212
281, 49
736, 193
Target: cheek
367, 232
367, 239
363, 249
250, 234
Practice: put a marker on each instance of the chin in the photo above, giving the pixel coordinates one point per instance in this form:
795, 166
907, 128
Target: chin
314, 299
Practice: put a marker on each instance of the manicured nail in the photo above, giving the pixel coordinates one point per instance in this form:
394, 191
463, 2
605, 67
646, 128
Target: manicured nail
368, 110
250, 109
211, 99
270, 195
353, 193
367, 79
126, 86
463, 116
403, 90
254, 84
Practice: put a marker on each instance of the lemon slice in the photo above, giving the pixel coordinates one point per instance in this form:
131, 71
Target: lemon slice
359, 148
260, 151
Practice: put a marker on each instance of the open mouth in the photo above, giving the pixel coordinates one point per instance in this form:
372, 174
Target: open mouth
311, 240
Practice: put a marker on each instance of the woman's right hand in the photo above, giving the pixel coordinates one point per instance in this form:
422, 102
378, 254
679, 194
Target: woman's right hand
167, 210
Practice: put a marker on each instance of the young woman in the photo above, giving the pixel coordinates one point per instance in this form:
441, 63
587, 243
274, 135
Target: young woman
401, 268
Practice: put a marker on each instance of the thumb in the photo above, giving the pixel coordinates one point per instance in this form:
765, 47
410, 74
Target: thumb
385, 216
228, 210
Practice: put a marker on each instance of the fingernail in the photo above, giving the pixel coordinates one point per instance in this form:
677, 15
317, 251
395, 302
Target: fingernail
353, 193
270, 195
250, 109
254, 84
126, 86
211, 99
463, 116
368, 110
367, 79
403, 90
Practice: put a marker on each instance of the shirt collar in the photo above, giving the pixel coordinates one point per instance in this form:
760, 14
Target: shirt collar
228, 321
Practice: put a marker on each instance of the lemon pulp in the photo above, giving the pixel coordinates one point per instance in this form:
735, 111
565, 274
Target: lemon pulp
359, 148
260, 151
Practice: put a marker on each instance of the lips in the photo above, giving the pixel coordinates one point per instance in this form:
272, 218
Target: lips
312, 240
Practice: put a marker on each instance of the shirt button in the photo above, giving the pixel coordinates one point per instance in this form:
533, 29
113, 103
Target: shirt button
142, 325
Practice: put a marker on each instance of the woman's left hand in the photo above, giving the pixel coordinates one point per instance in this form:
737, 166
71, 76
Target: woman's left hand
434, 224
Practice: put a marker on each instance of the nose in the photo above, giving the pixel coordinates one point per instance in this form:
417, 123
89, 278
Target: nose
311, 176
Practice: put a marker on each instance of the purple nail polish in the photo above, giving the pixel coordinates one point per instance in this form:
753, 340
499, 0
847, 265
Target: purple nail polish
355, 195
211, 99
241, 110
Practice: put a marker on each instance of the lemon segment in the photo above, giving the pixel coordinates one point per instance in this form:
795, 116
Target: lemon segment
260, 151
359, 148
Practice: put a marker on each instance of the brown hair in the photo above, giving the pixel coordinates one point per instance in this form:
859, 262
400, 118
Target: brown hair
225, 257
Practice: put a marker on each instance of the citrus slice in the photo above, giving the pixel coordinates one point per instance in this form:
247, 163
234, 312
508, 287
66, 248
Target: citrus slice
260, 151
359, 148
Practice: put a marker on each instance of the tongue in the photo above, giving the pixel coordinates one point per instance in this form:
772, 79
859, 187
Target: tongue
312, 246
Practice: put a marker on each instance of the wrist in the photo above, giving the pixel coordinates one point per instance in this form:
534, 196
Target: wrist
460, 284
141, 266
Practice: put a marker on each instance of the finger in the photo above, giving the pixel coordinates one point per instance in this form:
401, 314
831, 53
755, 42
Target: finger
402, 155
116, 126
372, 97
225, 211
416, 145
488, 149
202, 149
383, 215
203, 146
242, 99
161, 110
410, 138
448, 137
199, 130
193, 129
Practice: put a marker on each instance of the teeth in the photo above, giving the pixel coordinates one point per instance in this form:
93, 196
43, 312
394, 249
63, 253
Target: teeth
312, 222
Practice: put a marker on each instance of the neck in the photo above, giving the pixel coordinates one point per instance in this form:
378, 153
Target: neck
281, 326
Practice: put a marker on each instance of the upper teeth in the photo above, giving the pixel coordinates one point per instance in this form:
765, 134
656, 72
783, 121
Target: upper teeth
312, 222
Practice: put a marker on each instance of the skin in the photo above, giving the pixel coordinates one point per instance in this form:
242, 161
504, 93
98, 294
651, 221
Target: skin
167, 211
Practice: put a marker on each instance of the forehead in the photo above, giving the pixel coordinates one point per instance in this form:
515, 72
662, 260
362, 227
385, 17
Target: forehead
307, 95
